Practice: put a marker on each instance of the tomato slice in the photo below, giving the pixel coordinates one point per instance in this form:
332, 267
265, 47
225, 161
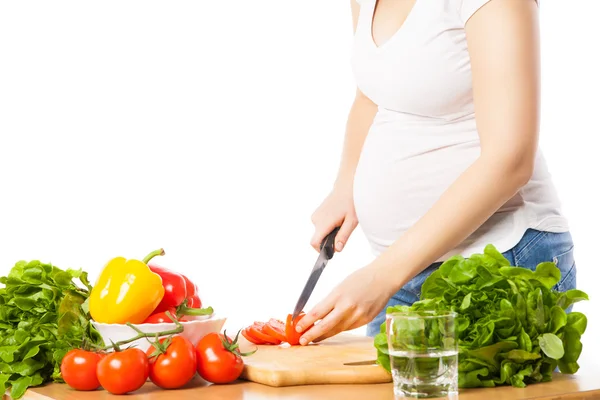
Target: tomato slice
257, 331
250, 338
274, 322
276, 329
293, 337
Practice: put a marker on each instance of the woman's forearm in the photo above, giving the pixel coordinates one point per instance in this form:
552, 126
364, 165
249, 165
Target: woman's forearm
479, 192
359, 121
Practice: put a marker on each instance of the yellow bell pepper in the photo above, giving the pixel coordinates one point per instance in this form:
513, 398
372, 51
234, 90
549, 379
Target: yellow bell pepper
126, 291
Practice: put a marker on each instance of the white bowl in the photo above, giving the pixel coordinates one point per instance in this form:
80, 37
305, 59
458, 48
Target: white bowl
193, 330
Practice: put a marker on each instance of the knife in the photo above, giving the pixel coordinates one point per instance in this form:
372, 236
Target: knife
326, 253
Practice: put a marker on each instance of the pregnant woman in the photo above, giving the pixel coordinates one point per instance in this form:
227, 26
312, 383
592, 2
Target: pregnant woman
441, 153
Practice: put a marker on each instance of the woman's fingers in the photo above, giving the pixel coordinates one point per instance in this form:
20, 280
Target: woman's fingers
357, 323
318, 312
337, 210
350, 223
327, 323
321, 230
324, 224
344, 325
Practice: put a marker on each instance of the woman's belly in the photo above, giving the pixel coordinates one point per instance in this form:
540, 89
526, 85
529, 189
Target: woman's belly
407, 163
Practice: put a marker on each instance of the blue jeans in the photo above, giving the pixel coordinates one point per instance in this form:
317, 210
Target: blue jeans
535, 247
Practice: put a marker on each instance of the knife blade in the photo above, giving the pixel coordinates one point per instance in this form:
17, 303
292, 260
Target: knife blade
359, 363
326, 254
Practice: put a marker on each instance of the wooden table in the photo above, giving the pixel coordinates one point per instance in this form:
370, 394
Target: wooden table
563, 387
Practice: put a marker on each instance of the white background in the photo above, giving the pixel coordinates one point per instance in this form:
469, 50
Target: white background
214, 128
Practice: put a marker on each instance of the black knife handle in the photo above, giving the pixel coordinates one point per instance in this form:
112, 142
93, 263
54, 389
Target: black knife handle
329, 243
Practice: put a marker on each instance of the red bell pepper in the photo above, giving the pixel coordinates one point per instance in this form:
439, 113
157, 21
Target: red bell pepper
193, 299
175, 288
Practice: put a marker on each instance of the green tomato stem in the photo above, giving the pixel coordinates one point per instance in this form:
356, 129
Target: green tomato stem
141, 335
233, 346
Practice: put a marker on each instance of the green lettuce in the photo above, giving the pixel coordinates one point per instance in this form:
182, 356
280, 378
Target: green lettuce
512, 327
43, 315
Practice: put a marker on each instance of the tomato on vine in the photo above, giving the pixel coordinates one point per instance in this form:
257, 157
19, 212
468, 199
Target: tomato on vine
123, 371
78, 369
219, 358
172, 362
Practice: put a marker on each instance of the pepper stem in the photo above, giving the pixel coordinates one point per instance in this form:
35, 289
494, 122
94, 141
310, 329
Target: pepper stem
140, 335
159, 252
183, 310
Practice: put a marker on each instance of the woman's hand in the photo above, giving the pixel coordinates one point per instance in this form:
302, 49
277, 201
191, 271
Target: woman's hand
336, 210
354, 303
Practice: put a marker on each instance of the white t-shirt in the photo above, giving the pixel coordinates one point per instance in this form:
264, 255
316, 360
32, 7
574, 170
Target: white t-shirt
424, 134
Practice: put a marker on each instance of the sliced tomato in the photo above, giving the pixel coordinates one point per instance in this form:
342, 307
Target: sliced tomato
276, 329
250, 338
276, 323
257, 331
293, 337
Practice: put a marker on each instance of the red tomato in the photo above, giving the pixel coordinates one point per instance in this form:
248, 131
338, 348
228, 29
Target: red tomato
257, 331
194, 301
78, 369
250, 338
291, 335
161, 317
174, 284
123, 371
218, 361
176, 367
276, 329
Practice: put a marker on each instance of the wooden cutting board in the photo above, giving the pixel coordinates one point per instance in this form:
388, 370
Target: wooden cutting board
323, 363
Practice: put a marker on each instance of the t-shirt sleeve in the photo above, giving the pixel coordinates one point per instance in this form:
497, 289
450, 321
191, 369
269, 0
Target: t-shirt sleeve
469, 7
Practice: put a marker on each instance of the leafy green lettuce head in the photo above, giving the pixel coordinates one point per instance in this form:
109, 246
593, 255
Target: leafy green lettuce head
512, 327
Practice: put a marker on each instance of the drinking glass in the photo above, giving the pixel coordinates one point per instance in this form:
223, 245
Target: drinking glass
423, 353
